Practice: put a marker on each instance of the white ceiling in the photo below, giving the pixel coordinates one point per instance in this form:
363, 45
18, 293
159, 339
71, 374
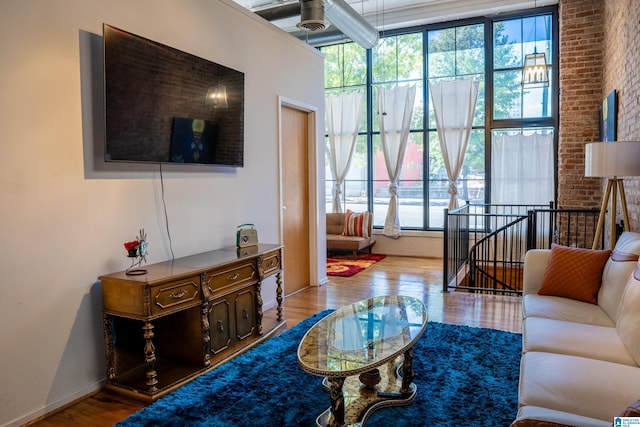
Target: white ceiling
390, 14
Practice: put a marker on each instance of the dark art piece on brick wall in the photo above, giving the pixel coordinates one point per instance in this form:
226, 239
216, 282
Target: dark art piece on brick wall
609, 117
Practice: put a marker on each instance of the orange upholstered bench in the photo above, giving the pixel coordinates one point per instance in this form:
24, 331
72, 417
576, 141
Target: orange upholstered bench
355, 238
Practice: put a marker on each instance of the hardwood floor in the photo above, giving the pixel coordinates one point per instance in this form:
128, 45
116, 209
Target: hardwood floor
417, 277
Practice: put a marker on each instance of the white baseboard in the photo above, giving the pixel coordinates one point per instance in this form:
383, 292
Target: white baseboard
51, 407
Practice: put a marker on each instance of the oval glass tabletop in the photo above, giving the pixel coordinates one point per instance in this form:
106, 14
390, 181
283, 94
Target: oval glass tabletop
363, 335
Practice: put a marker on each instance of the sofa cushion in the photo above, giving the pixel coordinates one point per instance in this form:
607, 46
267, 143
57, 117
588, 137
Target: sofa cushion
560, 308
628, 324
577, 385
632, 410
578, 339
357, 224
339, 242
617, 271
574, 273
535, 413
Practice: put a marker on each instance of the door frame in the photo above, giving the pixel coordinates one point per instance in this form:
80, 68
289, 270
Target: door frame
312, 141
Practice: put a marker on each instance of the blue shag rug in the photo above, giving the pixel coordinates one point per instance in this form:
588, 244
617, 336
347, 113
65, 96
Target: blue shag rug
465, 376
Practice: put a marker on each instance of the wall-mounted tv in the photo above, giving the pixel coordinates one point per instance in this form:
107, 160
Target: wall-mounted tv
163, 105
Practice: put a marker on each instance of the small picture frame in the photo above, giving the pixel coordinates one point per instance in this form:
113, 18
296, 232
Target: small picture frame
609, 117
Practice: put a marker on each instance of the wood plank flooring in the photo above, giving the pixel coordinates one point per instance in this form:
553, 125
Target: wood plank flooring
417, 277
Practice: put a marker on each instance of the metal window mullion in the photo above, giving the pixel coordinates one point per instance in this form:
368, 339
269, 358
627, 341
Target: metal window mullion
426, 199
369, 132
488, 105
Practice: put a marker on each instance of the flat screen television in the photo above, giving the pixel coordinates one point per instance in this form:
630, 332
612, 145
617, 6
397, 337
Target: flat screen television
163, 105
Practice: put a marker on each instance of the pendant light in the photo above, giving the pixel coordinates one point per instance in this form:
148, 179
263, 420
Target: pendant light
217, 96
534, 71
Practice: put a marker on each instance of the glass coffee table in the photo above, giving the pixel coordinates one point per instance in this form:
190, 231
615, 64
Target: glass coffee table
364, 352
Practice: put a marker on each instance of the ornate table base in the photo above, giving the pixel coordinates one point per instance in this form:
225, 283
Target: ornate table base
359, 401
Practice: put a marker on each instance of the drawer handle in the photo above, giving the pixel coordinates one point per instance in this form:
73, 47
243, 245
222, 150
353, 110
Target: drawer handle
245, 314
220, 326
233, 277
270, 263
178, 295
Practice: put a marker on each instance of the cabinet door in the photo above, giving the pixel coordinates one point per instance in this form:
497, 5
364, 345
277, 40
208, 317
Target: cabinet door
245, 313
220, 325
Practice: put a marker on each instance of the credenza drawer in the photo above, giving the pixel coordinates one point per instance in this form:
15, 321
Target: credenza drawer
175, 295
271, 263
237, 274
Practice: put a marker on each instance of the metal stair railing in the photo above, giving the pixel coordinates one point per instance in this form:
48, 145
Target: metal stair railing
495, 261
484, 245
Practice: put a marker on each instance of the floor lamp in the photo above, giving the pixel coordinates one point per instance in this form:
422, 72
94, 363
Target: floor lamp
612, 160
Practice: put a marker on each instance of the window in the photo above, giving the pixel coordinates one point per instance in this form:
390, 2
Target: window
490, 51
346, 70
399, 60
457, 52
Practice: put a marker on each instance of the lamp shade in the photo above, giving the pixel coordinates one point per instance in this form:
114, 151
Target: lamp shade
605, 159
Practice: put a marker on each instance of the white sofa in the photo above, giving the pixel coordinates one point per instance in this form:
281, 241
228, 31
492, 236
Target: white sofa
580, 361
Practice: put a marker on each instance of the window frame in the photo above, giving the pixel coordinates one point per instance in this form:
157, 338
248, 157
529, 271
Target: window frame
490, 122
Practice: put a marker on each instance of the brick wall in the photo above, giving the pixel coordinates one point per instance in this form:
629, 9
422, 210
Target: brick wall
581, 67
599, 52
622, 73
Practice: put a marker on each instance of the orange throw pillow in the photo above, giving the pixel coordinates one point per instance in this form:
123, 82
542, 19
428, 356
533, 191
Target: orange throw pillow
574, 273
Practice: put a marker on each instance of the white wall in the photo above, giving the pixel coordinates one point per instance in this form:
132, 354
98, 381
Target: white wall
426, 244
64, 214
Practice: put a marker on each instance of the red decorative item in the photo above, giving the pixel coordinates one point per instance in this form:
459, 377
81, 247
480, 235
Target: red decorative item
137, 251
131, 245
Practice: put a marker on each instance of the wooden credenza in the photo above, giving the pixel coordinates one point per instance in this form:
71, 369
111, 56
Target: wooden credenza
183, 317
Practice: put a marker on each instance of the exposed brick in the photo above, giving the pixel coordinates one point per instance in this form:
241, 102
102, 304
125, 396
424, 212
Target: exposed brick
599, 52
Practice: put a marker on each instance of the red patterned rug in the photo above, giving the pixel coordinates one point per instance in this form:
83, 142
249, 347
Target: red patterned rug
347, 266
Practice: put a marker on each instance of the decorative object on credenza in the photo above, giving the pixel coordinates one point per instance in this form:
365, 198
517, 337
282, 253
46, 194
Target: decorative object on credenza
137, 251
612, 160
246, 236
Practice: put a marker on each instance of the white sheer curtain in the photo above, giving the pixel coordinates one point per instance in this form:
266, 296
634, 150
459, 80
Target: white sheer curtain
522, 169
454, 103
395, 107
342, 112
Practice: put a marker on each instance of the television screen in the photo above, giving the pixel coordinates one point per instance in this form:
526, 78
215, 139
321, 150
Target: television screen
163, 105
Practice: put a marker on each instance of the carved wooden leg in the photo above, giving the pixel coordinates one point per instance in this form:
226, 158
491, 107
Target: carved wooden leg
108, 345
279, 294
206, 334
150, 357
407, 372
337, 402
259, 303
